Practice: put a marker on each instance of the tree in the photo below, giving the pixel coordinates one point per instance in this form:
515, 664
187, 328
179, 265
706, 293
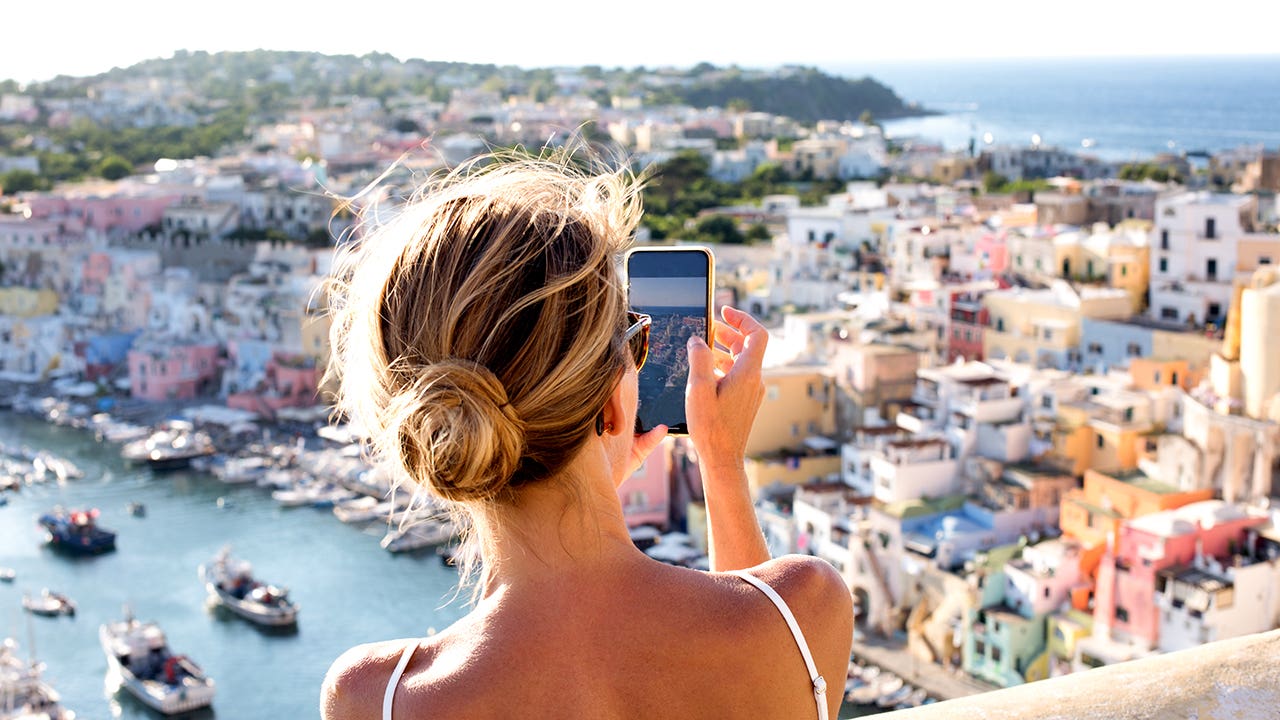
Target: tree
16, 181
993, 181
718, 229
114, 167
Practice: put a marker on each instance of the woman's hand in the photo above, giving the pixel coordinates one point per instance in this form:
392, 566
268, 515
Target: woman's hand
725, 389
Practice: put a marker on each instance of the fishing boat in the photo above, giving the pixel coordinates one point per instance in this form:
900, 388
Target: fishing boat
48, 603
77, 531
23, 694
139, 653
231, 583
419, 535
172, 447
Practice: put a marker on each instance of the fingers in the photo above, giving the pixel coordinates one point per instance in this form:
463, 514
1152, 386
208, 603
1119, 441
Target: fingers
724, 362
728, 337
754, 336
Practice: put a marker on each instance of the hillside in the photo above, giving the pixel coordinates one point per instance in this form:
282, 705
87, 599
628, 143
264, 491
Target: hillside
805, 94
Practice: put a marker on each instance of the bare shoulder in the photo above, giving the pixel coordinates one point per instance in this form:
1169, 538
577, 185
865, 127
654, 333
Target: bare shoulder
807, 583
354, 685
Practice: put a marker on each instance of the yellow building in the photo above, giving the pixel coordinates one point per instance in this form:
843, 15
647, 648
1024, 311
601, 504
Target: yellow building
1042, 327
799, 402
27, 302
790, 441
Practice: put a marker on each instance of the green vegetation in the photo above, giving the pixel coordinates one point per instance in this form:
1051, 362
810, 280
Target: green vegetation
682, 188
805, 94
1150, 171
995, 183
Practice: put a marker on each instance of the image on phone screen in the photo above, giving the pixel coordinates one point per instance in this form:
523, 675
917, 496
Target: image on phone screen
672, 288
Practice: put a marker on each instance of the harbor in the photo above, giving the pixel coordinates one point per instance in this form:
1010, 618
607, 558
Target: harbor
349, 590
168, 525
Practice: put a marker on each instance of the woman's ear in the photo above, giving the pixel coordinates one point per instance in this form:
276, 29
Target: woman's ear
616, 421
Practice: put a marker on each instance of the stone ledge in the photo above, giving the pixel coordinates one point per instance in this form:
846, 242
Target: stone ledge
1237, 679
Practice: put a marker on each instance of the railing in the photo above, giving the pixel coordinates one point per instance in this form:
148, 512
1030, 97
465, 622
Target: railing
1237, 678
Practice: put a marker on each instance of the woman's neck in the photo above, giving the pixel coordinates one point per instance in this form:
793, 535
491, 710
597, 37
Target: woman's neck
569, 524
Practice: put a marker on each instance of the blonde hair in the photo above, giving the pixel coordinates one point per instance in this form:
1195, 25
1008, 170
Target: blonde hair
478, 334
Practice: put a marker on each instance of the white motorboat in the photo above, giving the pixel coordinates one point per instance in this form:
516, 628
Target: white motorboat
139, 653
241, 470
231, 583
171, 447
23, 695
419, 535
7, 574
360, 509
49, 604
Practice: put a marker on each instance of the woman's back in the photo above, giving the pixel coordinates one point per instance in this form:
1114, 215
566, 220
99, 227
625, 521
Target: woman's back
654, 641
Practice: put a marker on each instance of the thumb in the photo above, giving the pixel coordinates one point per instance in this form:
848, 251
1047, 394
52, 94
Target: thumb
702, 363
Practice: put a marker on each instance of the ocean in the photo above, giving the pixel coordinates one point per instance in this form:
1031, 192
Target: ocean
1118, 109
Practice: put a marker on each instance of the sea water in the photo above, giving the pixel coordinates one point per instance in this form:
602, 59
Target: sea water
1118, 109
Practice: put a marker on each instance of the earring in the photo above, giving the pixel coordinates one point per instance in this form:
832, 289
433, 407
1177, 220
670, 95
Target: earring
600, 425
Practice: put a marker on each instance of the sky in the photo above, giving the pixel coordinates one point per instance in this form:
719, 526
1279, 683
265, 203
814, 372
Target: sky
75, 37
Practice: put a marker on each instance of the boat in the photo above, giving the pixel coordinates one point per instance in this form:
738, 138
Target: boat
49, 604
77, 531
892, 698
23, 694
7, 574
418, 535
231, 583
172, 447
241, 470
139, 653
917, 698
137, 509
360, 509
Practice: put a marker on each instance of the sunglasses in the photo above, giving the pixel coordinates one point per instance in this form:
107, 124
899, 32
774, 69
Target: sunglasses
637, 337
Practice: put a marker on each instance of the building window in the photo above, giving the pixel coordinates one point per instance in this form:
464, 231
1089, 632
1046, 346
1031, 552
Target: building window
1102, 442
1173, 378
1264, 259
999, 324
1164, 239
1134, 350
1215, 310
1046, 402
1211, 269
1124, 270
1210, 229
1095, 348
1164, 265
1122, 614
1168, 313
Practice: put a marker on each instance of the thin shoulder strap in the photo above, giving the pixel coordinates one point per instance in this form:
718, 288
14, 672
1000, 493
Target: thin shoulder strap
390, 694
819, 683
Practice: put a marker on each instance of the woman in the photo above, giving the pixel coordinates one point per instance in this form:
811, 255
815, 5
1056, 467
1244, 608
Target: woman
484, 342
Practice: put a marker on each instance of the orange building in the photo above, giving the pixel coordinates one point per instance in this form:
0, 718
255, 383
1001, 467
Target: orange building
1094, 512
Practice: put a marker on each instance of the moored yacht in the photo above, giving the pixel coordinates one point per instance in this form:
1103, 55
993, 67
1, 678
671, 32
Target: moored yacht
139, 653
173, 446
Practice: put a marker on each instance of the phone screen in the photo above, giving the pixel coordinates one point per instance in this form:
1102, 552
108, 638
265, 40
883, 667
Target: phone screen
673, 286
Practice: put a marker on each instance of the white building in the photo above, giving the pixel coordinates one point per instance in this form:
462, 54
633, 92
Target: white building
1207, 601
1040, 581
1194, 254
913, 469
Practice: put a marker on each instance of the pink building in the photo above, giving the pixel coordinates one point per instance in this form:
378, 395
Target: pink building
646, 495
1125, 596
290, 381
168, 372
120, 213
992, 252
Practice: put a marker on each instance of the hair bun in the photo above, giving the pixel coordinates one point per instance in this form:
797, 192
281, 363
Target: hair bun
459, 435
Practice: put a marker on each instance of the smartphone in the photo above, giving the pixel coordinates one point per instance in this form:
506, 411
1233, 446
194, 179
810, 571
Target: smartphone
673, 285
